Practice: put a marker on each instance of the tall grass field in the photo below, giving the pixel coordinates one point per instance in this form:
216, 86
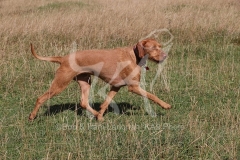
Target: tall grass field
200, 79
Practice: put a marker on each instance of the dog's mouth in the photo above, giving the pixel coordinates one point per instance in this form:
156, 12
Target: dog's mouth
158, 61
163, 59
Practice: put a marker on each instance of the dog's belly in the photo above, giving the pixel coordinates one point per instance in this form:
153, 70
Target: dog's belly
114, 81
119, 80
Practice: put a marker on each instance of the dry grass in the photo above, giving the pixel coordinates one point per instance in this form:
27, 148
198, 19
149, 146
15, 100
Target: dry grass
202, 73
128, 20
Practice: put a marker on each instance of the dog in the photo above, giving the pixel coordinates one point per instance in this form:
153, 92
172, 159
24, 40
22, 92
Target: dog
118, 67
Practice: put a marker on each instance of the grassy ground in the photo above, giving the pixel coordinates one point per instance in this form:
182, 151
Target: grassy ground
202, 73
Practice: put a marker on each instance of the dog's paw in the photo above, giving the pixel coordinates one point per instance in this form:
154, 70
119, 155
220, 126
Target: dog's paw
31, 117
100, 118
167, 106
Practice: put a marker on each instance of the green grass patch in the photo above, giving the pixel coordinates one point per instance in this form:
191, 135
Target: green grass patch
200, 80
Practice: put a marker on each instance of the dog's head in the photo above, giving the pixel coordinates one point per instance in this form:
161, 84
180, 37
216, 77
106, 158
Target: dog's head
151, 47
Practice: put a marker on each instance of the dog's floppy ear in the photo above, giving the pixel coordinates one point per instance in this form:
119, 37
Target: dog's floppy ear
140, 49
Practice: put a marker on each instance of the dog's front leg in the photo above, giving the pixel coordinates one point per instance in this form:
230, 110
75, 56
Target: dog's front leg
108, 100
138, 90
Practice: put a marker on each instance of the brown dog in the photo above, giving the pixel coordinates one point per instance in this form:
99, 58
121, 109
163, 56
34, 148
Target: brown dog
118, 67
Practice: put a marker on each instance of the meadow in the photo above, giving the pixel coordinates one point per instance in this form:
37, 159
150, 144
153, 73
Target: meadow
200, 80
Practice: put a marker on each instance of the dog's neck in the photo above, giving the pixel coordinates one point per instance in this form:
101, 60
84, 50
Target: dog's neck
140, 61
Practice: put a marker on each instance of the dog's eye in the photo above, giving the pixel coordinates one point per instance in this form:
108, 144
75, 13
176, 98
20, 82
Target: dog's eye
153, 48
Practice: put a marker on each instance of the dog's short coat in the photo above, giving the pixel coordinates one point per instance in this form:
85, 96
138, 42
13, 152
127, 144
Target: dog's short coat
118, 67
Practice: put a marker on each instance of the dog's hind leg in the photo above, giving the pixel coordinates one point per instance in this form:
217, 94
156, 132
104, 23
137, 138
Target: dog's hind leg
58, 85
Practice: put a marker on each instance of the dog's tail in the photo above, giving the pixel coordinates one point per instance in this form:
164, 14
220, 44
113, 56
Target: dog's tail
50, 59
